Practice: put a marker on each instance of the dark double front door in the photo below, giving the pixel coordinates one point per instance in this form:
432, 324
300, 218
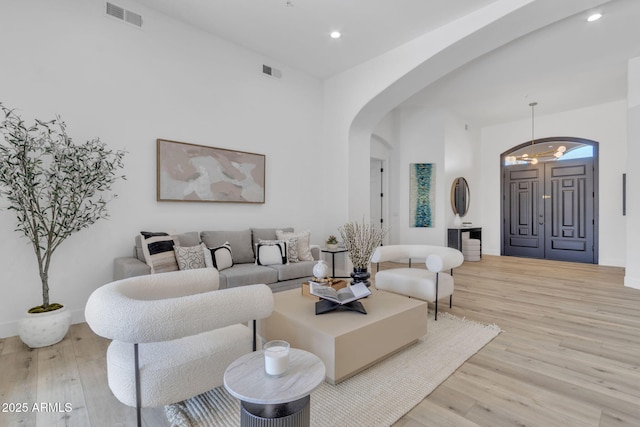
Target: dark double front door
548, 210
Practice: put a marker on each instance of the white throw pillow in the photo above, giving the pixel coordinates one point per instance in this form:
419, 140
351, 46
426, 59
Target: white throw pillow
304, 243
271, 253
292, 247
222, 257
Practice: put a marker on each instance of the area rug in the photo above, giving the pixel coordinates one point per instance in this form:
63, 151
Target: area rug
377, 396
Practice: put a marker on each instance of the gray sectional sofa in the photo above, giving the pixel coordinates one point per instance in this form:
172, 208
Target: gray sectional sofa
244, 271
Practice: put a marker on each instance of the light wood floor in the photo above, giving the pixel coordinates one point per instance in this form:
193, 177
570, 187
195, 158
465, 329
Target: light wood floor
569, 355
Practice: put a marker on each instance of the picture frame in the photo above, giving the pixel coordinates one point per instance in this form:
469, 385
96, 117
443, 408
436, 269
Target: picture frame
199, 173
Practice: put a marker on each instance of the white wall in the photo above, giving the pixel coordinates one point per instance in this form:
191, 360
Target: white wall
462, 149
418, 137
632, 273
130, 86
605, 123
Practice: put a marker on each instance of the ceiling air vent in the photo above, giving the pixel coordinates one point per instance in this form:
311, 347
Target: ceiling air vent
270, 71
124, 14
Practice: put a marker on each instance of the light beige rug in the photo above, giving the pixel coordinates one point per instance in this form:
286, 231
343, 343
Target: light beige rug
378, 396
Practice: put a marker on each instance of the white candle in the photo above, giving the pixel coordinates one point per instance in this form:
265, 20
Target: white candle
276, 357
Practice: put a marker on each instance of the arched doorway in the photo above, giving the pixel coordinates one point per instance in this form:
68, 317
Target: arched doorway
550, 200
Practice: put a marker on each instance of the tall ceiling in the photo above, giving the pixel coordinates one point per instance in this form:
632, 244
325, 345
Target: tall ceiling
566, 65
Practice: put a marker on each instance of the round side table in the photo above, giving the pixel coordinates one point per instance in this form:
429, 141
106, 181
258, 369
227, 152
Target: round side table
274, 401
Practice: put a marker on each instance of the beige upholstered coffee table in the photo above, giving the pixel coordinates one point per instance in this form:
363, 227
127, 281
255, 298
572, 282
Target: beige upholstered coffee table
346, 341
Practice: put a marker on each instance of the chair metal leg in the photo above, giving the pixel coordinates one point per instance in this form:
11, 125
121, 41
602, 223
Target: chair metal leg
451, 296
138, 392
255, 336
437, 277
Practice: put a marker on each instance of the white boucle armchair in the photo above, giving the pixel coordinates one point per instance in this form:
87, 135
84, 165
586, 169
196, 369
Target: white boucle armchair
429, 285
174, 334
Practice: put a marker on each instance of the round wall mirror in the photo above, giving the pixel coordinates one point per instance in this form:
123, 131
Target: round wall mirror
460, 196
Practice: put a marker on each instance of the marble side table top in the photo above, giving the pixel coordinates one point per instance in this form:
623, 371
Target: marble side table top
246, 379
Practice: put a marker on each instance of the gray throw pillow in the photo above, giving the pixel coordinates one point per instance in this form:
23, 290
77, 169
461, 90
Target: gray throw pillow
240, 242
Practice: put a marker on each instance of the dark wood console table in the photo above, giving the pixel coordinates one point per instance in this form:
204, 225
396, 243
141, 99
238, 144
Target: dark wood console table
454, 236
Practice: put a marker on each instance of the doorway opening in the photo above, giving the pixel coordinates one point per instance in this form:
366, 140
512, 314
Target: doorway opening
549, 195
378, 195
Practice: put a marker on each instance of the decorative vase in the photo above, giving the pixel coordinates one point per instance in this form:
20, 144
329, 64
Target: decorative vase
321, 270
361, 275
44, 329
457, 221
332, 246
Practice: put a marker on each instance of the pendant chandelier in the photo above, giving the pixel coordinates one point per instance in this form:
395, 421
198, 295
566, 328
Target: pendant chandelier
532, 157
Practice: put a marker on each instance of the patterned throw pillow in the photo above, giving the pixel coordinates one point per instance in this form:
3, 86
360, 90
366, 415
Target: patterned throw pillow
304, 242
271, 252
190, 257
222, 257
292, 249
158, 251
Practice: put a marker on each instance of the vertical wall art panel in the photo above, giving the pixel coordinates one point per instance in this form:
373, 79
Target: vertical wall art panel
421, 194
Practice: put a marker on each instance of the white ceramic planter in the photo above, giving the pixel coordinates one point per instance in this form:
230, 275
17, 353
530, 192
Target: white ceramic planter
44, 329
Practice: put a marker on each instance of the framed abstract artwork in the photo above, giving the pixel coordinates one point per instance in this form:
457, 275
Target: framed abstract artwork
421, 194
199, 173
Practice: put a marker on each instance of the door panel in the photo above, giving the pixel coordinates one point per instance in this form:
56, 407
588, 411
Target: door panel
522, 209
569, 211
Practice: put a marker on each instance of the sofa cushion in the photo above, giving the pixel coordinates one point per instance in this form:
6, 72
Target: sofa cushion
298, 270
270, 252
190, 257
222, 256
414, 282
304, 242
248, 274
191, 238
240, 242
158, 251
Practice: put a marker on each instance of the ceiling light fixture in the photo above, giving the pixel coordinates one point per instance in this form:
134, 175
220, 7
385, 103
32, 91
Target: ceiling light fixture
534, 157
335, 34
594, 17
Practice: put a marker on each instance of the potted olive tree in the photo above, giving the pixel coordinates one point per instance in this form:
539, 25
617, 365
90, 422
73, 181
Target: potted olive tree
55, 188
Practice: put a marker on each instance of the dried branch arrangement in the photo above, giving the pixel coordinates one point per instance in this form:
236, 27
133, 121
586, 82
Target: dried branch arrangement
361, 240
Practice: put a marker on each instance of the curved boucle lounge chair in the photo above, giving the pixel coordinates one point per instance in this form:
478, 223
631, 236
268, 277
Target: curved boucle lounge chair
429, 285
174, 334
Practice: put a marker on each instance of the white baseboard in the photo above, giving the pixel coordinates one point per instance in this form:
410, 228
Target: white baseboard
8, 329
632, 282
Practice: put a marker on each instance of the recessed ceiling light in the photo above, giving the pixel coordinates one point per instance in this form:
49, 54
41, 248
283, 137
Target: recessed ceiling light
335, 34
594, 17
